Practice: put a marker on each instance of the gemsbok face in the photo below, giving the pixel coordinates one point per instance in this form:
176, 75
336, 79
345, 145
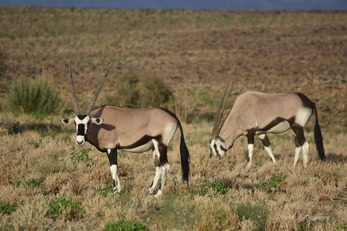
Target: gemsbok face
82, 123
257, 113
109, 128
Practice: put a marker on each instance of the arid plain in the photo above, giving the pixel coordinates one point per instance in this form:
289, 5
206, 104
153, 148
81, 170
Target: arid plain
195, 53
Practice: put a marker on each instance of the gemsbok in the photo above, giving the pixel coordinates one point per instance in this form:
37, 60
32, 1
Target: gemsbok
109, 128
257, 113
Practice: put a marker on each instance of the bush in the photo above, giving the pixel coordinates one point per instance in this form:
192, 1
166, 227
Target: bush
35, 96
66, 207
125, 225
3, 70
128, 94
155, 93
131, 93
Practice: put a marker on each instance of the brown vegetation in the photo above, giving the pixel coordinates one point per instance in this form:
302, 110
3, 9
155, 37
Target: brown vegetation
195, 53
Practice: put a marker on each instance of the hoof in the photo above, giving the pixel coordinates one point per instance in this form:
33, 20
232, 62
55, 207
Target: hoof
158, 194
116, 190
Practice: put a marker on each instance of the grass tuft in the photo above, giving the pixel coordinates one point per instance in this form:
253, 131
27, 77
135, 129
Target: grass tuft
257, 213
218, 188
7, 207
82, 157
70, 210
273, 182
126, 225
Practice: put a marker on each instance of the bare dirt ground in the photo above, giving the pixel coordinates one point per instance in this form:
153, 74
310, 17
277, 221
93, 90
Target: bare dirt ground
267, 51
195, 53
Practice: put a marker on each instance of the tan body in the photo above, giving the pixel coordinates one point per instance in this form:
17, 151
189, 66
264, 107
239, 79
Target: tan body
131, 129
257, 113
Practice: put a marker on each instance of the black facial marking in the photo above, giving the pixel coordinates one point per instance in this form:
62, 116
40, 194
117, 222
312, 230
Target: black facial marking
81, 117
80, 130
223, 149
221, 139
215, 148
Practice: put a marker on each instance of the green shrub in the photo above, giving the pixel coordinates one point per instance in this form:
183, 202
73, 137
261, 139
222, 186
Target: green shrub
131, 93
273, 181
61, 206
7, 207
128, 94
34, 183
81, 157
125, 225
218, 188
3, 70
256, 213
35, 96
108, 188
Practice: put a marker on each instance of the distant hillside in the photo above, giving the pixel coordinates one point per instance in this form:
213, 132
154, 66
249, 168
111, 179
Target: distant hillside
184, 4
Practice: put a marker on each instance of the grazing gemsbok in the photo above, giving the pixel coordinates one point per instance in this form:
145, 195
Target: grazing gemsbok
109, 128
256, 113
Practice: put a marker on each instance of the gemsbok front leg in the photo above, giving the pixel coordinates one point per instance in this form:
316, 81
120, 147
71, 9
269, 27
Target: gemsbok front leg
250, 139
266, 143
112, 157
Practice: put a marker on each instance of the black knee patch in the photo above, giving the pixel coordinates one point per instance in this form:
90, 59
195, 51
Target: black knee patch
163, 154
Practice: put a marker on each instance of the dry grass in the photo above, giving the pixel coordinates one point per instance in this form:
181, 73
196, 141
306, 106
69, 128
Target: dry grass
194, 52
36, 169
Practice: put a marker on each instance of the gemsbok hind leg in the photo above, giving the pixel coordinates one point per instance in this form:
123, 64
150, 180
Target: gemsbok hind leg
112, 157
164, 167
300, 144
161, 167
266, 143
156, 156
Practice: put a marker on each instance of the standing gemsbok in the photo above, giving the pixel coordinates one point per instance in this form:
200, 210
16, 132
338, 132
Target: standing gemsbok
109, 128
256, 113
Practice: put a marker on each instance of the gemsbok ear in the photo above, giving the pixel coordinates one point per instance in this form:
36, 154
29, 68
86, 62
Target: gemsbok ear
97, 120
66, 121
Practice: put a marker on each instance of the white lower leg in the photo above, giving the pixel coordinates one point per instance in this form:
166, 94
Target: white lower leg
155, 180
114, 173
296, 156
250, 154
305, 147
269, 151
164, 170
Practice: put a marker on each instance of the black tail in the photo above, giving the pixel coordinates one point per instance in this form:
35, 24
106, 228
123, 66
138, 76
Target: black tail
318, 138
184, 156
183, 150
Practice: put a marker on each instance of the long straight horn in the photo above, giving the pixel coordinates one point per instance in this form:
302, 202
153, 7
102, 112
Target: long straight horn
221, 109
97, 92
74, 96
